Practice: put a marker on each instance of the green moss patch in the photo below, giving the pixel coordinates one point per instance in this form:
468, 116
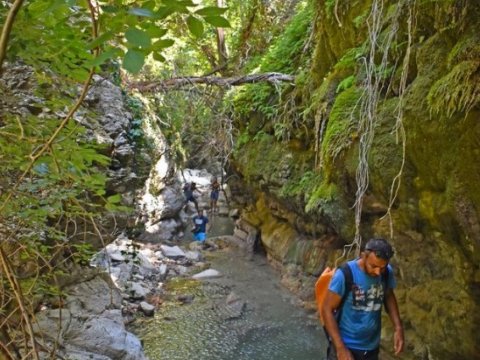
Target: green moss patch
341, 129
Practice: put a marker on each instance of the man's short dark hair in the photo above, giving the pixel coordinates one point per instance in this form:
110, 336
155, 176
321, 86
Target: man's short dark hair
380, 247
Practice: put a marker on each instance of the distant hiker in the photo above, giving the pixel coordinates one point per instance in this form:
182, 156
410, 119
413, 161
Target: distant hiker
199, 230
214, 193
352, 316
188, 190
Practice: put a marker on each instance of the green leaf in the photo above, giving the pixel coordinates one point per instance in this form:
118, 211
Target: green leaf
151, 4
159, 57
156, 32
164, 12
162, 44
109, 8
169, 2
217, 21
189, 3
79, 74
133, 61
178, 3
138, 38
104, 56
211, 11
141, 12
114, 199
100, 40
195, 26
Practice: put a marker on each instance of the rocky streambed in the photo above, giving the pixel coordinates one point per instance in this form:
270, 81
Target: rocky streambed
236, 310
184, 300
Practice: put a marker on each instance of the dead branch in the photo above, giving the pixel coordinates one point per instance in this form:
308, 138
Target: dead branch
180, 82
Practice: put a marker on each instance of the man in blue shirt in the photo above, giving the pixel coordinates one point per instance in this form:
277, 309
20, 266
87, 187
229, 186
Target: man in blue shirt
200, 226
354, 322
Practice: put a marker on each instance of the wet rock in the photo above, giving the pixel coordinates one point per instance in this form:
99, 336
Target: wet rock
147, 308
185, 298
234, 306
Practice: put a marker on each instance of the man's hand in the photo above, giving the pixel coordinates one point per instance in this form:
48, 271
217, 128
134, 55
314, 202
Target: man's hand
398, 340
344, 354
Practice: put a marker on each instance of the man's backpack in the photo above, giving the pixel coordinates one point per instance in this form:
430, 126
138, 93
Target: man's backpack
323, 282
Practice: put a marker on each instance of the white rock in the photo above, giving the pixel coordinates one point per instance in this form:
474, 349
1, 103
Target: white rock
163, 269
207, 274
172, 251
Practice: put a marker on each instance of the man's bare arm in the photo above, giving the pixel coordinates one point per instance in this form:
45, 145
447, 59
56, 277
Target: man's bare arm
393, 312
331, 303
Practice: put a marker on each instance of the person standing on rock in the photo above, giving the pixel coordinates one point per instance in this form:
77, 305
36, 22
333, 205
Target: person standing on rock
200, 222
352, 316
214, 193
188, 190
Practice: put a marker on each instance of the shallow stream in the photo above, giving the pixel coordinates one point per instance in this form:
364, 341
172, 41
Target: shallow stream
270, 326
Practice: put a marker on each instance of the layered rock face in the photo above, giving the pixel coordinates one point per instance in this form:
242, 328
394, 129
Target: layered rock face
300, 193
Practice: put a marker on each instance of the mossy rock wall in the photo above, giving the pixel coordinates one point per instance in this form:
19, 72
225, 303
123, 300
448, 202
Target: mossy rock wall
303, 206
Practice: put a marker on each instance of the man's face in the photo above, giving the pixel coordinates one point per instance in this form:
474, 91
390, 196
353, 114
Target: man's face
374, 265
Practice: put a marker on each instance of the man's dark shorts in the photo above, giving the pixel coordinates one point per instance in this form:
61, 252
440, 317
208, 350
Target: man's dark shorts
357, 354
214, 194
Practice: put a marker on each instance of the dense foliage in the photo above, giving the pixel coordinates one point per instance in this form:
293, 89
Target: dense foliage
52, 195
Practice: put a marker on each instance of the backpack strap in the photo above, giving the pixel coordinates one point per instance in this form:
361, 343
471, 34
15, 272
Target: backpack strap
347, 273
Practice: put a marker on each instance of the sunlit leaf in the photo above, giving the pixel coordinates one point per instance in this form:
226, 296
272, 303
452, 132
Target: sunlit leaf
211, 11
141, 12
217, 21
114, 199
133, 61
195, 26
137, 37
